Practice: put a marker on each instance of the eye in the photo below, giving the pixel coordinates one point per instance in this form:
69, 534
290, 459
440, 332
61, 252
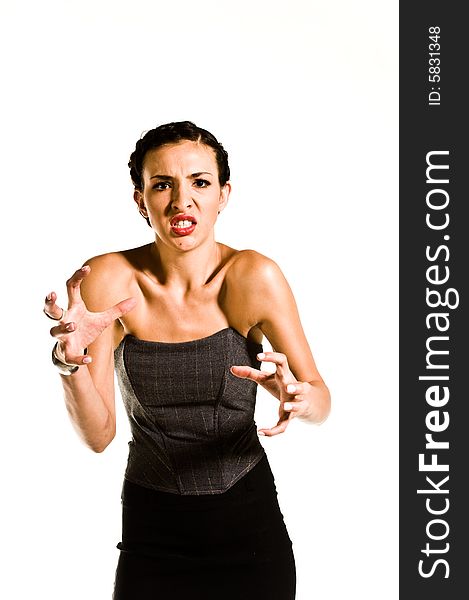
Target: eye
161, 185
201, 183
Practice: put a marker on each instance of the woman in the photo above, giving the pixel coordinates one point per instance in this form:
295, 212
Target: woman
184, 332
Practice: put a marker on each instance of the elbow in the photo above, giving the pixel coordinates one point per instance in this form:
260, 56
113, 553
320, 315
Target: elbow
322, 407
325, 415
99, 446
326, 407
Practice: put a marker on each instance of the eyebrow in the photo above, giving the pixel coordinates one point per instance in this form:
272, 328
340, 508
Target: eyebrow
194, 175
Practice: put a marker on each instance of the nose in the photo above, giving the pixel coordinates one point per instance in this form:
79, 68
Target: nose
181, 197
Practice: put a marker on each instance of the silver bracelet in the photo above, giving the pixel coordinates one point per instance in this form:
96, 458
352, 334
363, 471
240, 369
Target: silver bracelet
64, 368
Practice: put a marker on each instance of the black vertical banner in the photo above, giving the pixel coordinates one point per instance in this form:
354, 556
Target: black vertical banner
434, 258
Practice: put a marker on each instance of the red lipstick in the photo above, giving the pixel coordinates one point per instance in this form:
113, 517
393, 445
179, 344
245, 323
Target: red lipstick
182, 224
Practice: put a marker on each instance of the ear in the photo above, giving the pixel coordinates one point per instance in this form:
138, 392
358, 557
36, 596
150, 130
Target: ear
224, 195
142, 209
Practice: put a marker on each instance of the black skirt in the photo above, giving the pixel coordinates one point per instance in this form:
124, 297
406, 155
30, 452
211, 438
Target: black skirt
230, 546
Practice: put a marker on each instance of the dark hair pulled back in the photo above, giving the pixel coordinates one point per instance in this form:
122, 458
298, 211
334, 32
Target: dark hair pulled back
173, 133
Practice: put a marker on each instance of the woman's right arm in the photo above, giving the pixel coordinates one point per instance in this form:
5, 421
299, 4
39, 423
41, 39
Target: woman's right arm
89, 391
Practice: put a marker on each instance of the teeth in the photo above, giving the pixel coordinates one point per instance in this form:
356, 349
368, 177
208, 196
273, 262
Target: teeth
182, 224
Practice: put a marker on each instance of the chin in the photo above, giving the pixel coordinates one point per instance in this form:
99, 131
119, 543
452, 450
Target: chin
186, 243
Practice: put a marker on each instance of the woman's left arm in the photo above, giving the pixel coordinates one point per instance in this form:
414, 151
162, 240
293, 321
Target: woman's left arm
296, 382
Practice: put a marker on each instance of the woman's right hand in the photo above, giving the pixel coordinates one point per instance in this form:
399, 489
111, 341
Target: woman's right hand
77, 327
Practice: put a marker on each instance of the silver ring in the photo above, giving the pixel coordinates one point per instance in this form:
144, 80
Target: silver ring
61, 318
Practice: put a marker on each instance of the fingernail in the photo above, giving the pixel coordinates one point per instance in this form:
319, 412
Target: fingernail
287, 405
69, 327
261, 356
260, 433
291, 389
49, 297
85, 268
87, 359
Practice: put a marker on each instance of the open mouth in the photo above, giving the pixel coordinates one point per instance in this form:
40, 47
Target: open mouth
183, 224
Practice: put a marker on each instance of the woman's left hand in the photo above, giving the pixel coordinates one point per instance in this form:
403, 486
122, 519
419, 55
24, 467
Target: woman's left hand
296, 397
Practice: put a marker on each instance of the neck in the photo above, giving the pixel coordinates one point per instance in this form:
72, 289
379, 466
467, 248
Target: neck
188, 269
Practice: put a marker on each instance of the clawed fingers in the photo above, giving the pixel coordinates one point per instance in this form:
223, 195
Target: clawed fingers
296, 389
85, 359
62, 329
297, 406
70, 357
120, 309
295, 402
74, 283
245, 372
280, 361
55, 312
279, 428
116, 311
78, 359
276, 357
51, 309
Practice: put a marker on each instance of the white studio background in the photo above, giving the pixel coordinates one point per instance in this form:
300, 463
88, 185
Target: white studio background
304, 97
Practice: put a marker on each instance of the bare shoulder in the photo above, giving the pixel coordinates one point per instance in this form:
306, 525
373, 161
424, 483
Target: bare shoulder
256, 291
252, 263
251, 270
111, 278
262, 298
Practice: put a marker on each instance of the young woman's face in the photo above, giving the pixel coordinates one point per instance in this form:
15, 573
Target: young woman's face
182, 195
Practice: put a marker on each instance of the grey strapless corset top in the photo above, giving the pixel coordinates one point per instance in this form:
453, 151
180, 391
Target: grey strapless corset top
192, 421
